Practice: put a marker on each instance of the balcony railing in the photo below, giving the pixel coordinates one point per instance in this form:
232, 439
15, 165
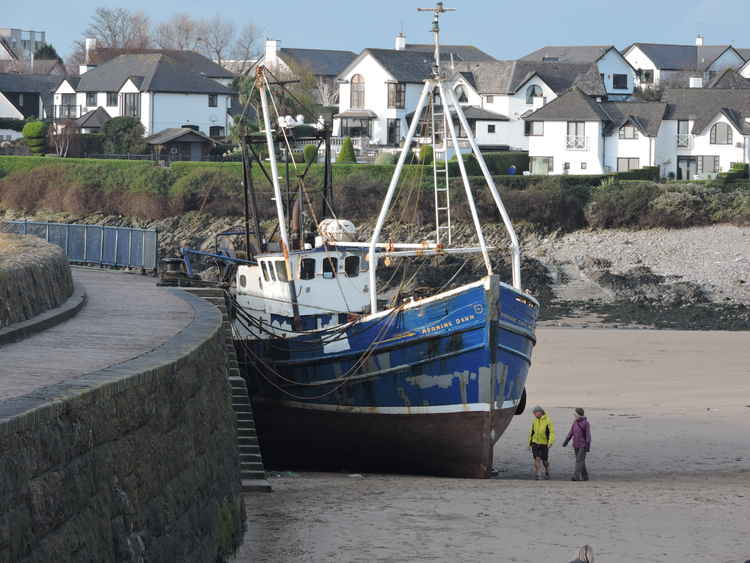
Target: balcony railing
67, 112
576, 143
684, 140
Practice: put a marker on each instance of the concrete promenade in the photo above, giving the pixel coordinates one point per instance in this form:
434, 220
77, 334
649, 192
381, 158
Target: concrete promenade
126, 316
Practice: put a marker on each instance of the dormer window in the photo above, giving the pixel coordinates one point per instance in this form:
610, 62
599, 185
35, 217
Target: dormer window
461, 94
357, 94
533, 91
628, 131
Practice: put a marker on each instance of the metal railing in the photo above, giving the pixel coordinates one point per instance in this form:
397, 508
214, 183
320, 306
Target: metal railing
576, 143
96, 244
67, 112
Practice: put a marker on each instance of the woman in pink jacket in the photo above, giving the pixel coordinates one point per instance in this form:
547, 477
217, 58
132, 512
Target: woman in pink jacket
580, 432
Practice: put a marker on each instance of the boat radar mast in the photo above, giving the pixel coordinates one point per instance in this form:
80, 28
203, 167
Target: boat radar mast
451, 107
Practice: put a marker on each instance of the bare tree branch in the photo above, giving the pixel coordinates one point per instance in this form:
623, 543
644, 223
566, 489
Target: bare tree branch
216, 38
180, 31
119, 28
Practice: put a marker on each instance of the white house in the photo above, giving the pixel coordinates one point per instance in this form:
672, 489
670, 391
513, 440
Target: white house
691, 133
155, 88
324, 64
381, 86
512, 89
682, 65
617, 74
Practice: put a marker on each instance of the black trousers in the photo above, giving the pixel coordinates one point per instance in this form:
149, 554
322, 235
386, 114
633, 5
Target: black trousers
580, 472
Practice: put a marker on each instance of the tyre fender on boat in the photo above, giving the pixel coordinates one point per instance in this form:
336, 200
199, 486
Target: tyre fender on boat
521, 406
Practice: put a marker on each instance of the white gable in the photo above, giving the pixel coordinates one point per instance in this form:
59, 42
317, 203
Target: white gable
7, 109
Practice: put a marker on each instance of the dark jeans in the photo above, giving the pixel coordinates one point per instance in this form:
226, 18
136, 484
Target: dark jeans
580, 472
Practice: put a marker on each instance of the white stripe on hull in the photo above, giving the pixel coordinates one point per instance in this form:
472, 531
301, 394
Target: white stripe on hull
437, 409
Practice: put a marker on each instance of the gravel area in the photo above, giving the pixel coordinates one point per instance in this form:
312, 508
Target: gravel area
716, 257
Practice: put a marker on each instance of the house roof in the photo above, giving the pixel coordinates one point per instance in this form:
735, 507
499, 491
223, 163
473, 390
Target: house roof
506, 77
569, 53
473, 113
29, 83
646, 116
702, 105
174, 133
155, 72
190, 59
573, 105
404, 66
95, 118
40, 66
681, 57
730, 78
321, 62
459, 52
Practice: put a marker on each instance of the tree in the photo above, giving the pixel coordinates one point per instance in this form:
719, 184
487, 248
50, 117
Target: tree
116, 28
216, 38
35, 135
245, 50
311, 153
425, 154
46, 52
67, 134
124, 135
346, 156
327, 90
181, 31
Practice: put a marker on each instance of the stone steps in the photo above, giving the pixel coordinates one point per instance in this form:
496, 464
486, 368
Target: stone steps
252, 471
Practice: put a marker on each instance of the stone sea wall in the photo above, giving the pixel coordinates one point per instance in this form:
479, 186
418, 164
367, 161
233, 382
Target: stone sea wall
34, 277
136, 462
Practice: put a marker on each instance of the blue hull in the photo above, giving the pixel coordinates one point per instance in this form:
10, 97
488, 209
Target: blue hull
426, 388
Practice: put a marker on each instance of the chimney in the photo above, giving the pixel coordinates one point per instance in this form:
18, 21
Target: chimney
272, 52
87, 66
699, 40
400, 41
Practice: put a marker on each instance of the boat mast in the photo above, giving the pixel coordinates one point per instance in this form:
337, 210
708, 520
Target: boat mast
262, 85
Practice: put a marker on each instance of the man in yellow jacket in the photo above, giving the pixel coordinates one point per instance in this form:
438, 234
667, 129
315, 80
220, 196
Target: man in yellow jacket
541, 438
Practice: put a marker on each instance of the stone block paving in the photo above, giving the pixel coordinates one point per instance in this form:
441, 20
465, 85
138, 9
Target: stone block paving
126, 316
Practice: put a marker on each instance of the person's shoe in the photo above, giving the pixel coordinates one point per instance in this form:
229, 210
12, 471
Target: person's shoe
573, 479
546, 476
585, 479
537, 478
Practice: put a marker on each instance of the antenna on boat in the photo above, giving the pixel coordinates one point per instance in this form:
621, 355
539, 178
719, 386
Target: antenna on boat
436, 12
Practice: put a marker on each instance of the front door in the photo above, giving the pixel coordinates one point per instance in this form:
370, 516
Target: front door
687, 167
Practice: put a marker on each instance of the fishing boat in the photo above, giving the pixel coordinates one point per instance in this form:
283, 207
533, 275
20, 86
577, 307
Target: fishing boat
340, 379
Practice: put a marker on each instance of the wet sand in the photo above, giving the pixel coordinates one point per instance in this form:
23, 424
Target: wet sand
670, 469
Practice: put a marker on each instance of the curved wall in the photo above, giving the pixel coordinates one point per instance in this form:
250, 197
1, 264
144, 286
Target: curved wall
136, 462
34, 277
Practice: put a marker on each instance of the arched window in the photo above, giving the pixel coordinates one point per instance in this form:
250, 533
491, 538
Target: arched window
721, 134
461, 94
533, 91
357, 98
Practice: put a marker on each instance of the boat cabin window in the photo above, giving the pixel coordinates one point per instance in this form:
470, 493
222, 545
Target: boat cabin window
271, 272
307, 269
351, 266
265, 270
330, 265
281, 270
243, 280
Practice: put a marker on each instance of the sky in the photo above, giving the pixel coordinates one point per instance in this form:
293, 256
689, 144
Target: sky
503, 28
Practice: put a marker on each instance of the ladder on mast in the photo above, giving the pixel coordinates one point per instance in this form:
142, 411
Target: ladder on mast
441, 179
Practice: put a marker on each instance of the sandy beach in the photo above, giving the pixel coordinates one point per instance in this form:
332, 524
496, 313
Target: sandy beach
670, 469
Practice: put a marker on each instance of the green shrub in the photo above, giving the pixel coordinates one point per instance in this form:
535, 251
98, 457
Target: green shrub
676, 209
620, 205
425, 154
124, 135
311, 153
347, 156
385, 159
646, 173
35, 135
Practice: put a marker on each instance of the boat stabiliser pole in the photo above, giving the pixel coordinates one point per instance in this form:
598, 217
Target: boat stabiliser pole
262, 86
373, 259
462, 167
515, 247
